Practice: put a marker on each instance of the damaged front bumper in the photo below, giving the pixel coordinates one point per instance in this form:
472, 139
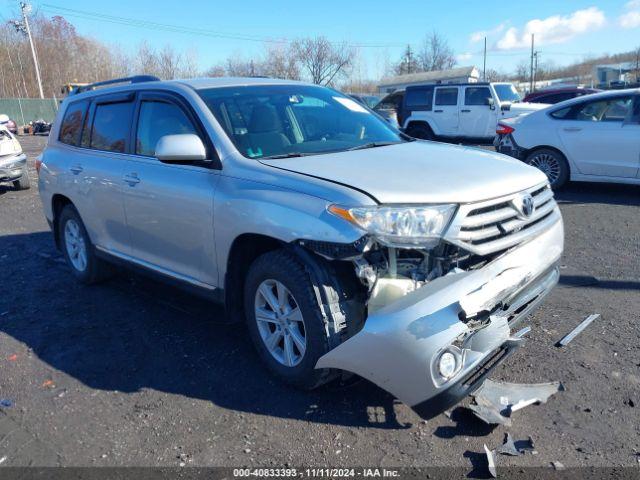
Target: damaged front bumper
12, 167
400, 345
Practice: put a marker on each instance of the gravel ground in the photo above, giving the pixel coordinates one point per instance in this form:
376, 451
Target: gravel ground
132, 372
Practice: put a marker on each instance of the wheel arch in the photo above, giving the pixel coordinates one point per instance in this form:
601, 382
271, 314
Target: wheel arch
243, 252
422, 122
58, 202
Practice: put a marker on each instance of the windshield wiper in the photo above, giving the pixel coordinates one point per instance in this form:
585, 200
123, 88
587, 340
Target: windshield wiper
287, 155
371, 145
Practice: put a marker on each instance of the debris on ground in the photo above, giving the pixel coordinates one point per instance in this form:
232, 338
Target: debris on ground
48, 384
488, 414
491, 461
12, 358
496, 401
557, 466
574, 333
6, 403
3, 459
508, 447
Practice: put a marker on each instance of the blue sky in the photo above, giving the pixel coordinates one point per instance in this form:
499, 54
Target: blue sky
567, 30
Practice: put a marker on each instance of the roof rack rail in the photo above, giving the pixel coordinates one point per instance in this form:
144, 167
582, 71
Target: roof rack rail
133, 79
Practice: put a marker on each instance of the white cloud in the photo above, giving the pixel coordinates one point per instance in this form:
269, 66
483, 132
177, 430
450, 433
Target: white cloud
631, 19
476, 37
554, 29
463, 57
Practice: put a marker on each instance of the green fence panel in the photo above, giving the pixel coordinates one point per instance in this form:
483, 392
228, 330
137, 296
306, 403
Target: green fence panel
25, 110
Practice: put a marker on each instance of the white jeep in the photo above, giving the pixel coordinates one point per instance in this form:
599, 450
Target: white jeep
466, 111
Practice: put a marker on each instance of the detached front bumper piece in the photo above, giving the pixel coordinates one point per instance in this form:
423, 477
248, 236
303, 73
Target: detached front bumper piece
401, 346
12, 167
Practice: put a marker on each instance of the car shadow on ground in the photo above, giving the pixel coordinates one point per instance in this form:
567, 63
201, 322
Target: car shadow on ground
132, 333
608, 193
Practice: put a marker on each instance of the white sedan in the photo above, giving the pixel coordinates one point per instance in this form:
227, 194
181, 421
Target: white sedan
594, 138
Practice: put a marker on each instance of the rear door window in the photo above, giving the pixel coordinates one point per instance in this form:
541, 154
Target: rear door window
446, 96
111, 126
72, 123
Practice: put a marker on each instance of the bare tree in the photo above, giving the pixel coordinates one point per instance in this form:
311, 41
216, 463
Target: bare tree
323, 62
436, 54
281, 62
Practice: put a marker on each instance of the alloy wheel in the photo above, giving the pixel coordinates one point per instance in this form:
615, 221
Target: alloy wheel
75, 245
547, 164
280, 323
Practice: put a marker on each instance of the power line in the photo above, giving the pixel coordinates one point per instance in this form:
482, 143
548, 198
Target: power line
133, 22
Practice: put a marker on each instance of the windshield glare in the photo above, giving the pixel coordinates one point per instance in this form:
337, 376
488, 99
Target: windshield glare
279, 120
507, 92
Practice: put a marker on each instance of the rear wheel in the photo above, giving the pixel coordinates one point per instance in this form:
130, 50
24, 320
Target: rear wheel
552, 163
420, 131
24, 182
286, 324
78, 249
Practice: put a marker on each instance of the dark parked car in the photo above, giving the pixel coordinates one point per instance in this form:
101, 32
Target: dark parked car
558, 95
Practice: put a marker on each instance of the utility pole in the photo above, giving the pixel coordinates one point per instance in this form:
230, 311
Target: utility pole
536, 54
484, 61
26, 9
531, 71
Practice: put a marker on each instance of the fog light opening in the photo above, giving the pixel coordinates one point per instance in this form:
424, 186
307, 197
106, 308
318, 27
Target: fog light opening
447, 365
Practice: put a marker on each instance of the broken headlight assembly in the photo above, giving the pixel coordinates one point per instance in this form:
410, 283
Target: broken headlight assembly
400, 226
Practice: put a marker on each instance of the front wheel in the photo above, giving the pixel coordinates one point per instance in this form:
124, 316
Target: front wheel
285, 322
552, 163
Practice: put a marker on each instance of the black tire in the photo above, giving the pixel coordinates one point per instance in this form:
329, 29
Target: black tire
96, 269
24, 182
552, 163
421, 131
320, 333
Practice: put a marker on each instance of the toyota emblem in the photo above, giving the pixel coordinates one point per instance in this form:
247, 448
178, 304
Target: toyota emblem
524, 205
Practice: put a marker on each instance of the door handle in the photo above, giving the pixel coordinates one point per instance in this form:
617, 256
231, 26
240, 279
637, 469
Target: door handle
76, 169
437, 111
465, 111
572, 129
132, 179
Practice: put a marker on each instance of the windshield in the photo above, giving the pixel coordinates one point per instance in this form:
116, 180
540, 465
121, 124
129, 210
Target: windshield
507, 92
290, 120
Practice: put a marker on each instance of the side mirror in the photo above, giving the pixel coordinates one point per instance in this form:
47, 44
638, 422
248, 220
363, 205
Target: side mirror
491, 103
4, 118
506, 106
184, 147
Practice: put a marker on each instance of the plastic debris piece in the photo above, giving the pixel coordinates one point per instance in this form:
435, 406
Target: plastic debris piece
489, 414
574, 333
491, 461
6, 403
509, 447
503, 397
48, 384
3, 459
557, 466
12, 358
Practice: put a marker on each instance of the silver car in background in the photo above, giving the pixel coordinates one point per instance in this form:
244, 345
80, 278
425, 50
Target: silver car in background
343, 244
13, 161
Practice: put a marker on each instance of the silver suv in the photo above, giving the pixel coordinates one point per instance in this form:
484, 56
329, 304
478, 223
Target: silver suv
343, 244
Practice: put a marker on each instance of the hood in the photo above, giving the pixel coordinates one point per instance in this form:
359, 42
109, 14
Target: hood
419, 172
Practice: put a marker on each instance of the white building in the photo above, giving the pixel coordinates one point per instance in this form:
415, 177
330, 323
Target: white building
454, 75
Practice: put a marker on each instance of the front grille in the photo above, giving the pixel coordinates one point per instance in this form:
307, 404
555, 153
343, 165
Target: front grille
495, 225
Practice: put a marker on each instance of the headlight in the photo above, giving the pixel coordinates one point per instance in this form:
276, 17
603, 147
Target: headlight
400, 226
